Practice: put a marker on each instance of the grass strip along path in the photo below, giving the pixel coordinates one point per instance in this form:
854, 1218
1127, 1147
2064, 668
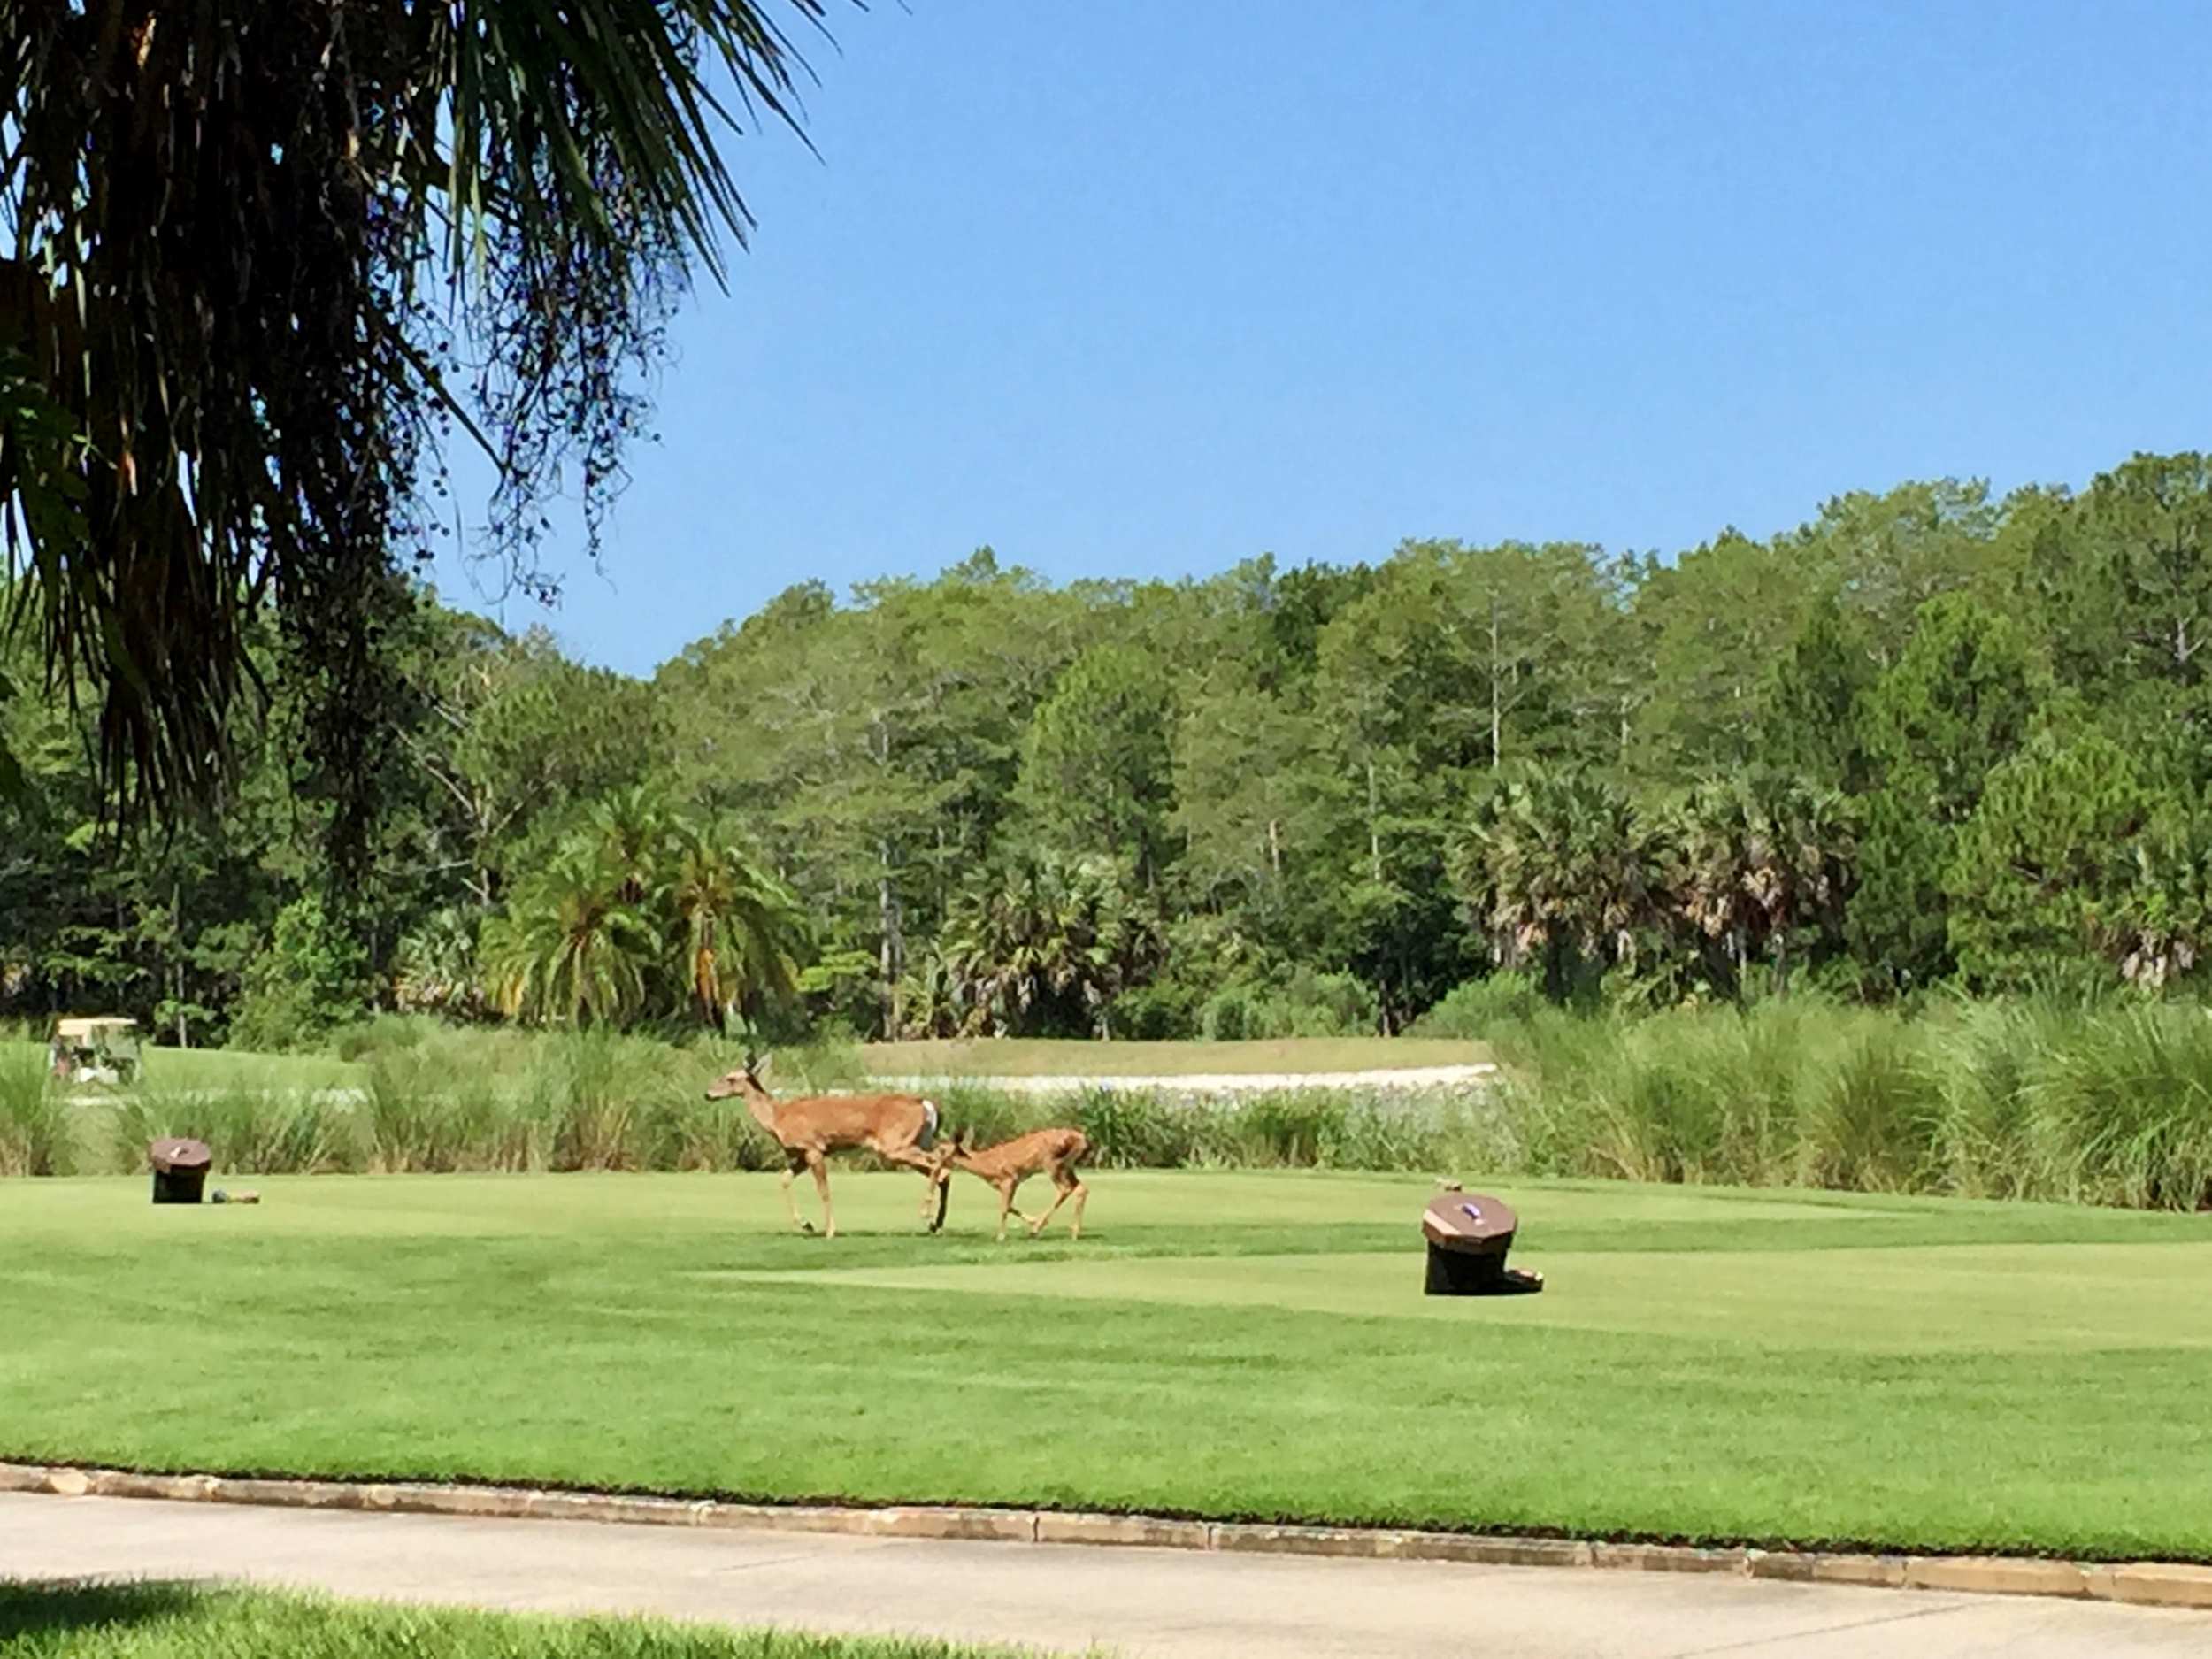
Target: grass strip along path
1771, 1367
177, 1621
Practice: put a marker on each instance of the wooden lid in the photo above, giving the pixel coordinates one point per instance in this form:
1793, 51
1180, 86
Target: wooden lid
1474, 1223
171, 1155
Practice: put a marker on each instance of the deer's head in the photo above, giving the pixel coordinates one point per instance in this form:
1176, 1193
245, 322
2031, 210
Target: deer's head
745, 1081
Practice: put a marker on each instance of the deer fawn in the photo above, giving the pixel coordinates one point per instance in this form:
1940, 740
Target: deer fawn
1007, 1165
899, 1127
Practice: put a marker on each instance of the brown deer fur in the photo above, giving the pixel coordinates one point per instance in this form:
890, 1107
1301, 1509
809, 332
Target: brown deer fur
892, 1126
1054, 1152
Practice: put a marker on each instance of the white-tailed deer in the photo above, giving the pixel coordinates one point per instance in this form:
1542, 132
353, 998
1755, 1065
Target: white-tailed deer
900, 1128
1054, 1152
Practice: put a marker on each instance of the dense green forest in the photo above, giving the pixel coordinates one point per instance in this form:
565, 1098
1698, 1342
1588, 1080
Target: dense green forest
1928, 738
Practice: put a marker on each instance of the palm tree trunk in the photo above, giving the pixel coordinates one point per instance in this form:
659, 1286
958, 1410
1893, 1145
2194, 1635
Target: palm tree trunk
176, 962
892, 953
1497, 722
1374, 827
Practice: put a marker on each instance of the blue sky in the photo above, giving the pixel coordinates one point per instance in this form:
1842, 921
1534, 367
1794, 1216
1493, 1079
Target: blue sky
1144, 288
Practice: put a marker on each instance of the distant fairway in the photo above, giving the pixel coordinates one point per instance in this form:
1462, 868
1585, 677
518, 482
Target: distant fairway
221, 1069
1775, 1365
1046, 1057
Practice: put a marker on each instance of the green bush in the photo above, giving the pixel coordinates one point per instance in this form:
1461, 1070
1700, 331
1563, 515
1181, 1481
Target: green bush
1471, 1011
308, 981
1169, 1009
1301, 1003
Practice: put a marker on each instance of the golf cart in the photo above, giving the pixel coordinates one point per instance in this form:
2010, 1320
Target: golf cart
102, 1051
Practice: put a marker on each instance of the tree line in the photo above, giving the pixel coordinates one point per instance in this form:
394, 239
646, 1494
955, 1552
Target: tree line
1929, 739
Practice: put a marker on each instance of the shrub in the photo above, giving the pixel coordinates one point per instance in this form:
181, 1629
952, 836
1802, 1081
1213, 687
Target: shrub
309, 980
1473, 1009
1303, 1004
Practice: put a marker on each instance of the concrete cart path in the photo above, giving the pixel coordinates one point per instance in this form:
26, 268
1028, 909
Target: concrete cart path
1138, 1602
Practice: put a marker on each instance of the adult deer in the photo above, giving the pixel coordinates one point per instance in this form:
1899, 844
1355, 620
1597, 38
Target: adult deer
1054, 1152
900, 1128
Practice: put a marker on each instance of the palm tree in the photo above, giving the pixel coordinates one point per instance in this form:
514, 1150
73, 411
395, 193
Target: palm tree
637, 839
571, 949
1717, 850
436, 967
740, 927
1757, 858
256, 254
2160, 926
930, 997
1048, 936
1558, 864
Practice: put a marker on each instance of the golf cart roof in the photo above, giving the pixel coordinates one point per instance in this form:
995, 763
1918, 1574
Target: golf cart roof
107, 1023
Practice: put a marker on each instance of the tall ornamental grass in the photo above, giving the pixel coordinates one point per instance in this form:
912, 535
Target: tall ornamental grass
2100, 1104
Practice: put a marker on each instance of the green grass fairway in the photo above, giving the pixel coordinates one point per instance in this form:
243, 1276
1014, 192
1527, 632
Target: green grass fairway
1046, 1057
181, 1621
1771, 1366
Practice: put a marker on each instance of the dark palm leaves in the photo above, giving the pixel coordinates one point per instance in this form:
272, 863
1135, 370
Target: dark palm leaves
257, 252
1757, 857
1047, 933
1560, 859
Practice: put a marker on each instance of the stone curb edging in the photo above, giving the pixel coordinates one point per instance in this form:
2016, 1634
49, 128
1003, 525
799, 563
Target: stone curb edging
2146, 1584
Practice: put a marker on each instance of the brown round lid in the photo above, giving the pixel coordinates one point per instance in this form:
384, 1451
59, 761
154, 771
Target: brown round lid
172, 1154
1468, 1221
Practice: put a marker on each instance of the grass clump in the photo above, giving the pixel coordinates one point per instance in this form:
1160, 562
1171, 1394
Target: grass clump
35, 1132
157, 1620
258, 1131
2105, 1104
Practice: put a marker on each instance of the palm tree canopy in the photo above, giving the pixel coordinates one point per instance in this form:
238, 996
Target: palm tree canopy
571, 949
740, 927
257, 254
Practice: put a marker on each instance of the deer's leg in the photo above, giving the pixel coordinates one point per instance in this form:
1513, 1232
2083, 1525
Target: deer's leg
1062, 1185
1006, 1191
790, 1172
819, 1164
1069, 1186
938, 1185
